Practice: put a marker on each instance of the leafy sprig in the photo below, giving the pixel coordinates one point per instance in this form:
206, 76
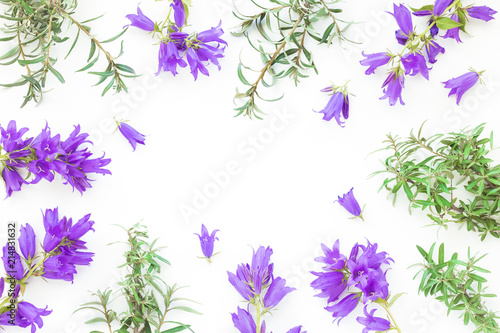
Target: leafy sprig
459, 285
37, 26
148, 297
430, 170
286, 27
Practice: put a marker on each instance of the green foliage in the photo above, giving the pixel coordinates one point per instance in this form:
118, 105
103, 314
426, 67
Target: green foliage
286, 27
459, 285
39, 25
148, 297
430, 170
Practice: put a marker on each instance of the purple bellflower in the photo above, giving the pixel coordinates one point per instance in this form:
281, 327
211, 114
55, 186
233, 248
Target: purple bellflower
337, 106
13, 180
415, 63
131, 134
374, 61
454, 32
437, 10
31, 315
349, 202
277, 290
169, 58
27, 242
207, 241
372, 323
404, 21
393, 86
179, 12
484, 13
16, 269
461, 84
141, 21
296, 329
244, 321
433, 49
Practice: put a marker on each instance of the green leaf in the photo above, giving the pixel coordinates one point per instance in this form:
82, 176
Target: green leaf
56, 74
115, 37
176, 329
446, 23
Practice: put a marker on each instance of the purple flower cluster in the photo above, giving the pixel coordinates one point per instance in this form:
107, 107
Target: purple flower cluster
45, 155
256, 283
421, 50
338, 105
348, 281
61, 253
178, 48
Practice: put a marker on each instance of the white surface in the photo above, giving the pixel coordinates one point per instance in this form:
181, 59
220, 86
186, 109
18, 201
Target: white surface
283, 193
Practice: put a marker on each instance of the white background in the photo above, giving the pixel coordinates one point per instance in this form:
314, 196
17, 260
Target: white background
283, 193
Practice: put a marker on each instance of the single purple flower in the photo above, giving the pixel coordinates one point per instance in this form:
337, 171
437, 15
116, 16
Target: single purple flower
262, 270
11, 139
415, 63
241, 284
393, 87
461, 84
404, 21
484, 13
207, 241
179, 12
59, 268
454, 32
331, 284
350, 204
374, 61
13, 180
14, 269
277, 290
296, 329
374, 259
333, 259
32, 314
342, 309
433, 49
169, 58
372, 323
195, 63
337, 106
212, 35
27, 241
244, 321
374, 286
141, 21
83, 226
132, 135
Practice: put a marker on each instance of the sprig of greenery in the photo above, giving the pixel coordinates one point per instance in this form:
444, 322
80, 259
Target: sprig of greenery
37, 26
148, 297
286, 27
430, 170
460, 286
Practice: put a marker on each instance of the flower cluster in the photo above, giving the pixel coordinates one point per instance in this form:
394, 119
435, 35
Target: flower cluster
421, 49
347, 281
338, 105
45, 155
61, 253
258, 286
207, 241
177, 46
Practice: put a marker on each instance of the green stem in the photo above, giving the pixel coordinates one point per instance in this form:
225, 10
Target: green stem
394, 325
259, 315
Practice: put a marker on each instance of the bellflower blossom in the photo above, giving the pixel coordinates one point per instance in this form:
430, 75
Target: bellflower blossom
454, 32
179, 12
484, 13
46, 155
348, 281
141, 21
338, 105
27, 242
402, 16
375, 60
256, 283
393, 86
437, 10
349, 202
207, 241
131, 134
460, 85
